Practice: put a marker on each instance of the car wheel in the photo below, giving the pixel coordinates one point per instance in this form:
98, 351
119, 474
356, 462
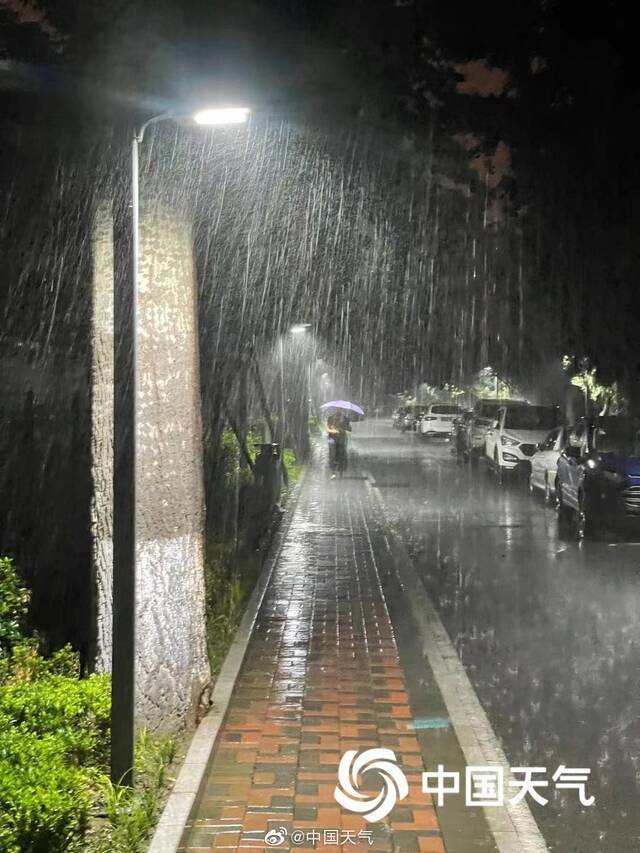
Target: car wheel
566, 523
586, 525
564, 512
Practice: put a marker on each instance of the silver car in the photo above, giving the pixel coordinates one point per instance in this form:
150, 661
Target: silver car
484, 414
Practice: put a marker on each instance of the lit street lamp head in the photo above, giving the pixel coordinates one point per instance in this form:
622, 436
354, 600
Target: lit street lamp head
299, 328
222, 115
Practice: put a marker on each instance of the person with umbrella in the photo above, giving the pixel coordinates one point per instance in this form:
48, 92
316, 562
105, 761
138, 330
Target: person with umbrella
338, 426
341, 442
333, 430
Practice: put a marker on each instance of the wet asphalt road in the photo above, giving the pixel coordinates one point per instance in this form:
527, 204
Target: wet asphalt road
547, 629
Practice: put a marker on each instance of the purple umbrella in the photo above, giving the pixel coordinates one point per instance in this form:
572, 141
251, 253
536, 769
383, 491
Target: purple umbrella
341, 404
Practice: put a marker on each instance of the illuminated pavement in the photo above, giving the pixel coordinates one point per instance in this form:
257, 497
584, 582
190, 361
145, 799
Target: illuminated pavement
325, 673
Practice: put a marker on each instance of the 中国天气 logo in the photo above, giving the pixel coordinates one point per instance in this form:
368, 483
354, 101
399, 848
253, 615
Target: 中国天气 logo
372, 807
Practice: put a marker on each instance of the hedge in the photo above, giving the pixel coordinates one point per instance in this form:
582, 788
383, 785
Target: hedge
74, 711
53, 725
45, 803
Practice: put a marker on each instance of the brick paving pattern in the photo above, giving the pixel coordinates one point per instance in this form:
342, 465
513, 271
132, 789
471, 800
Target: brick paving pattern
321, 676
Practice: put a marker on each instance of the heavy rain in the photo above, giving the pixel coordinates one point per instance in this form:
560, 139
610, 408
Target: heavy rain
213, 568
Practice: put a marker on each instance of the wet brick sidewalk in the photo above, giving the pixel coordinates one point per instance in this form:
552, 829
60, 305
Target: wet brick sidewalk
321, 676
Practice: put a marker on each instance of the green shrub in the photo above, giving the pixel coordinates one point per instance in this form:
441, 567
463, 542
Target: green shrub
75, 710
44, 803
294, 468
229, 457
25, 663
54, 735
253, 440
14, 601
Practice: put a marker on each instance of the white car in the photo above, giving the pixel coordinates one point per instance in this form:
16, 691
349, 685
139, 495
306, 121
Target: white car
438, 420
544, 463
514, 436
484, 414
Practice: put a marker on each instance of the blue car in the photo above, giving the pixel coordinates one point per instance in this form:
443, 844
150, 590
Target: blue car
598, 477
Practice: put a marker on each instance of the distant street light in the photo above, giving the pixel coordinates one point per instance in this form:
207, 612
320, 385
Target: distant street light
299, 328
124, 469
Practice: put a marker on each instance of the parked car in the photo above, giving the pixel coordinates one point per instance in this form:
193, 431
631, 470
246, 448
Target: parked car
438, 419
459, 436
598, 478
544, 463
397, 418
412, 417
483, 415
514, 435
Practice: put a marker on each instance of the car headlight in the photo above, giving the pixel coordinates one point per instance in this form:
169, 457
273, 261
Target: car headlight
505, 441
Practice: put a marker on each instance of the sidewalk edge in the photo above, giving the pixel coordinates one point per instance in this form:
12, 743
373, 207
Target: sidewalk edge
173, 819
513, 826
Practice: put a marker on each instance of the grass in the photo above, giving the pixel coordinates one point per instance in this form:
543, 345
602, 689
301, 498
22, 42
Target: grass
229, 580
128, 815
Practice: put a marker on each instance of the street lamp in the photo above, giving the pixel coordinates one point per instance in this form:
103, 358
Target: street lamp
222, 115
124, 465
296, 329
300, 329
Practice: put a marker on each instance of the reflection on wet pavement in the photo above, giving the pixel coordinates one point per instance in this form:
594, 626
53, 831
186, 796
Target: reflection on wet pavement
322, 676
548, 630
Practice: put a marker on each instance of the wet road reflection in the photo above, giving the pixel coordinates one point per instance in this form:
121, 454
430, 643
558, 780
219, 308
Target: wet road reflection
548, 630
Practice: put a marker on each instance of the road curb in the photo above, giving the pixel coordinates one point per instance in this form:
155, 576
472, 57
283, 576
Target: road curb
513, 827
172, 823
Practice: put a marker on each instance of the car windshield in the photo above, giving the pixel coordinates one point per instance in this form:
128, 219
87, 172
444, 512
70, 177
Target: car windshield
618, 436
531, 417
444, 410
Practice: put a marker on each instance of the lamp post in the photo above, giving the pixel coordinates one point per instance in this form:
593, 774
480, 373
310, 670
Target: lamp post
296, 329
300, 329
124, 465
